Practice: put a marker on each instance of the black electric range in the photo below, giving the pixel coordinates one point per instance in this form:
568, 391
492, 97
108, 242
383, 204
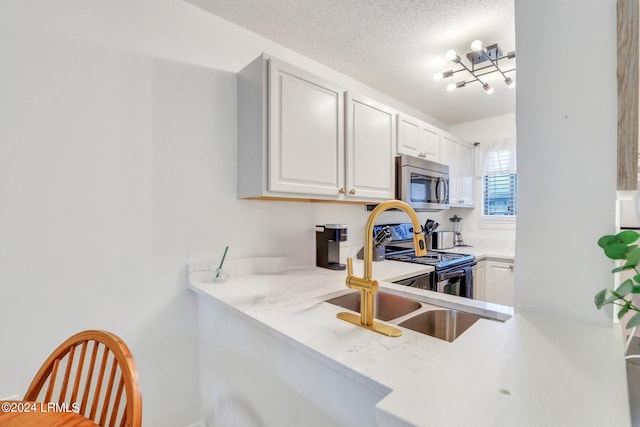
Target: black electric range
453, 271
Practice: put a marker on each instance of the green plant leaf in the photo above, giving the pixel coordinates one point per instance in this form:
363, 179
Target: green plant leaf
633, 255
605, 241
625, 308
627, 236
599, 298
625, 288
634, 321
623, 268
637, 278
616, 251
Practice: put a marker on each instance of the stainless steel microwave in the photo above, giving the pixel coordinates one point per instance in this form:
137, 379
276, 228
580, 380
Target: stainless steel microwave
422, 184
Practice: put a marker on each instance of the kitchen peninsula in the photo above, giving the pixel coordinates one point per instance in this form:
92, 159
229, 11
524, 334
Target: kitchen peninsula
273, 350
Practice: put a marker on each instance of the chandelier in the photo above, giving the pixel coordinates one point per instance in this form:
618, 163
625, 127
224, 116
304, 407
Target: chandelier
484, 60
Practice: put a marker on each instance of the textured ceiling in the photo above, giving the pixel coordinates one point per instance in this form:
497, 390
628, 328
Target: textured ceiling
394, 46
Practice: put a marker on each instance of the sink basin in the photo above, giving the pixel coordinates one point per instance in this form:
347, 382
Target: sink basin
386, 306
443, 324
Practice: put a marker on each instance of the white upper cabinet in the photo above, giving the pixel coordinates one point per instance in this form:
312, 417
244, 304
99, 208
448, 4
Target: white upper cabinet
460, 156
418, 138
305, 132
292, 133
371, 140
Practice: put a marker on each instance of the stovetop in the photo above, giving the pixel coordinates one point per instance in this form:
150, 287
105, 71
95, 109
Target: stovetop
440, 260
400, 248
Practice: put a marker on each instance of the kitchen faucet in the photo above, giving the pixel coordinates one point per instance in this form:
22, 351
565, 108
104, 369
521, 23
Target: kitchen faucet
367, 285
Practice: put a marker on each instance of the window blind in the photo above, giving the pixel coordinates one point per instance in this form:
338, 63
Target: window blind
500, 194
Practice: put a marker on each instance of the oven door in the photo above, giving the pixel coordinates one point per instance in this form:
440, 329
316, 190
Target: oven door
455, 281
422, 282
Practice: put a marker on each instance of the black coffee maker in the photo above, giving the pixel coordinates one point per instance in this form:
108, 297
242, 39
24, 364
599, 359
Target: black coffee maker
328, 238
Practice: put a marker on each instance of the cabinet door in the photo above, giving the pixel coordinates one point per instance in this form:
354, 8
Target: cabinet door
430, 142
479, 281
371, 140
499, 283
306, 142
466, 157
450, 158
460, 156
409, 136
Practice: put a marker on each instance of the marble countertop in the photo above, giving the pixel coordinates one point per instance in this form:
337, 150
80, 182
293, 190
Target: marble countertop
483, 250
527, 370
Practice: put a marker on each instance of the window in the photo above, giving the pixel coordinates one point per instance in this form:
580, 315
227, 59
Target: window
500, 195
499, 180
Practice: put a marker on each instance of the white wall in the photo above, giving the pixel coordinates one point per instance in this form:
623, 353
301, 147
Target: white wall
487, 129
117, 166
566, 130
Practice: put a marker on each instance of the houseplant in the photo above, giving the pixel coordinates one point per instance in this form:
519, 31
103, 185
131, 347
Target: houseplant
622, 247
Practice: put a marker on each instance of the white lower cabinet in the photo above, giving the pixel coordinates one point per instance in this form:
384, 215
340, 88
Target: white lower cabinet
478, 281
493, 282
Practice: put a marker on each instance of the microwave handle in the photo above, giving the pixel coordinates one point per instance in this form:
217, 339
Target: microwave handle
441, 182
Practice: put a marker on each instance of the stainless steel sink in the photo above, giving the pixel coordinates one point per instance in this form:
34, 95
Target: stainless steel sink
386, 306
444, 324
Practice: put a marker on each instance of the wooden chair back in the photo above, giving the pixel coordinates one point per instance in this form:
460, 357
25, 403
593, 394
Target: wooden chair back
93, 373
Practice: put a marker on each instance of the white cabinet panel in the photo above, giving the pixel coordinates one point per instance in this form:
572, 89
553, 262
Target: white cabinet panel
460, 156
292, 137
305, 134
417, 138
370, 149
431, 142
467, 173
409, 136
499, 282
479, 281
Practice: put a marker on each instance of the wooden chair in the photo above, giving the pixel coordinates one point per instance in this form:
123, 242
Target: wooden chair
92, 371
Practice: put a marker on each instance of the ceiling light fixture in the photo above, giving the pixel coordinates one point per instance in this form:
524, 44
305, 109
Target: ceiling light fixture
478, 57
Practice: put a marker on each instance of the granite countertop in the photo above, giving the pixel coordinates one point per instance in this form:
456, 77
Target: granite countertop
528, 370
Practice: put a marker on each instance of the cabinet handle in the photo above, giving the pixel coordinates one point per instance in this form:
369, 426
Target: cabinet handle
342, 191
352, 191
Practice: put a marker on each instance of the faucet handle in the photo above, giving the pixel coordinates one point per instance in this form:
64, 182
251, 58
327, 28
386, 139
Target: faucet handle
349, 266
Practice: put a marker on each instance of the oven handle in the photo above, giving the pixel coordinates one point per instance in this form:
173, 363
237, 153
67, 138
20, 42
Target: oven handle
452, 274
412, 283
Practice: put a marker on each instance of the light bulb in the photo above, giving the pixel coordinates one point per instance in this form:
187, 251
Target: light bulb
509, 82
437, 77
451, 87
487, 88
451, 55
476, 46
